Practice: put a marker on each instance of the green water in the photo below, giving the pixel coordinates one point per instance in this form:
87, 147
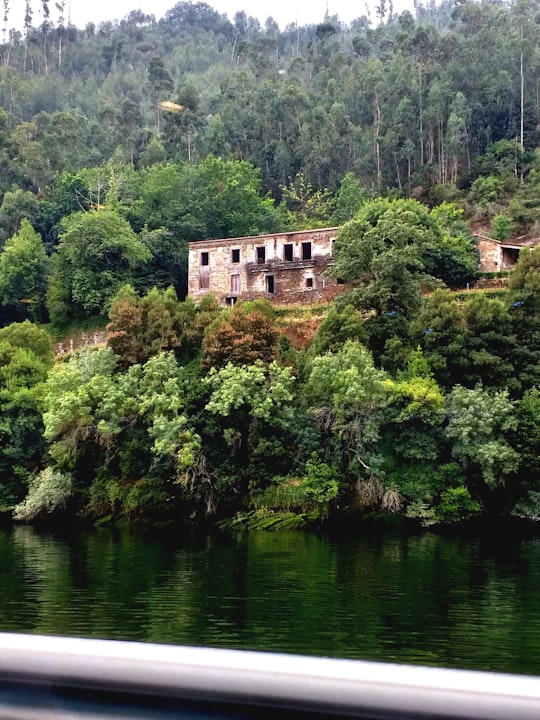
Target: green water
422, 599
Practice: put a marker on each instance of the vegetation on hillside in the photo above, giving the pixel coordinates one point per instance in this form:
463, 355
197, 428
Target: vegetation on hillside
403, 130
427, 408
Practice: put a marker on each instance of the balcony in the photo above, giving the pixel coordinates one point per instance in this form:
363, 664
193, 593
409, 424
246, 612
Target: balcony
278, 264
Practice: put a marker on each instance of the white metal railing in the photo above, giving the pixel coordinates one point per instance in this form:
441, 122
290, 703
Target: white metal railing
52, 677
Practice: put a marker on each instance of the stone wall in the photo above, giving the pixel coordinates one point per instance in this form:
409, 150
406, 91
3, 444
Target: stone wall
490, 254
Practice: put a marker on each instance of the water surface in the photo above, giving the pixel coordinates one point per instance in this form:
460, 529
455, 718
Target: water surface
426, 599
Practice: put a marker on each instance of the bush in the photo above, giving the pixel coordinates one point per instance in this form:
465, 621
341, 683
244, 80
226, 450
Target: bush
47, 492
502, 226
456, 504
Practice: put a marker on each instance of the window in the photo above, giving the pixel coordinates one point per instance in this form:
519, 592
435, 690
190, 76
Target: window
235, 255
261, 255
235, 284
288, 252
204, 281
270, 284
309, 282
204, 258
306, 251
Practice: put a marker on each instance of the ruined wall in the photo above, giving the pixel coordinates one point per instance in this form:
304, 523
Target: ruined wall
490, 254
272, 266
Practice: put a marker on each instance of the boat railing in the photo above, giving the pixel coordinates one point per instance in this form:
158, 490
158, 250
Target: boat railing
66, 678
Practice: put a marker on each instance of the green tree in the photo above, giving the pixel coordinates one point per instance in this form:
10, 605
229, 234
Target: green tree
17, 206
31, 337
97, 253
381, 248
22, 374
524, 307
526, 442
489, 344
346, 393
23, 272
479, 424
349, 198
440, 331
502, 227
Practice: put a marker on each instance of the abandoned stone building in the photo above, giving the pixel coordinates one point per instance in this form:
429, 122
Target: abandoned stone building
498, 255
281, 266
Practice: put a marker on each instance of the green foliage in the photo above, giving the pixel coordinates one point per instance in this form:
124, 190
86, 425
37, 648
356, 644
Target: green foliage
96, 255
47, 492
524, 283
346, 393
381, 248
29, 336
440, 330
502, 227
456, 504
212, 199
527, 437
345, 379
453, 505
17, 206
304, 207
479, 423
22, 373
336, 328
489, 346
23, 272
394, 247
320, 484
486, 191
261, 391
349, 198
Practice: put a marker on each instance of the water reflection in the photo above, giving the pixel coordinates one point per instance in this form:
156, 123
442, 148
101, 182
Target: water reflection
425, 599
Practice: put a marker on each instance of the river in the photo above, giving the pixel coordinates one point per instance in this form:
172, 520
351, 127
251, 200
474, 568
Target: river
412, 598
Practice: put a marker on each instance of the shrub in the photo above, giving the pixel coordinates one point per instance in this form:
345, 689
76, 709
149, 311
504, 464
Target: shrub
47, 492
502, 225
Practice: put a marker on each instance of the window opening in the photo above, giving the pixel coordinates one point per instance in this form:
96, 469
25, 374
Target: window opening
261, 255
270, 284
309, 282
306, 251
235, 255
204, 258
288, 252
235, 283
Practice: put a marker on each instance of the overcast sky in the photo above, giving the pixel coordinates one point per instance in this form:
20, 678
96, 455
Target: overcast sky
283, 11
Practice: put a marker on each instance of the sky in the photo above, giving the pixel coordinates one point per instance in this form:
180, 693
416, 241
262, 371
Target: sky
283, 11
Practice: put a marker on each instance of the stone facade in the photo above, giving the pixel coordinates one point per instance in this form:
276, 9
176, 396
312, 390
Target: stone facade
281, 266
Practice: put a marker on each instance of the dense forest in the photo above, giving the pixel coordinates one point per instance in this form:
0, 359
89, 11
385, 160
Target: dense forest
406, 130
